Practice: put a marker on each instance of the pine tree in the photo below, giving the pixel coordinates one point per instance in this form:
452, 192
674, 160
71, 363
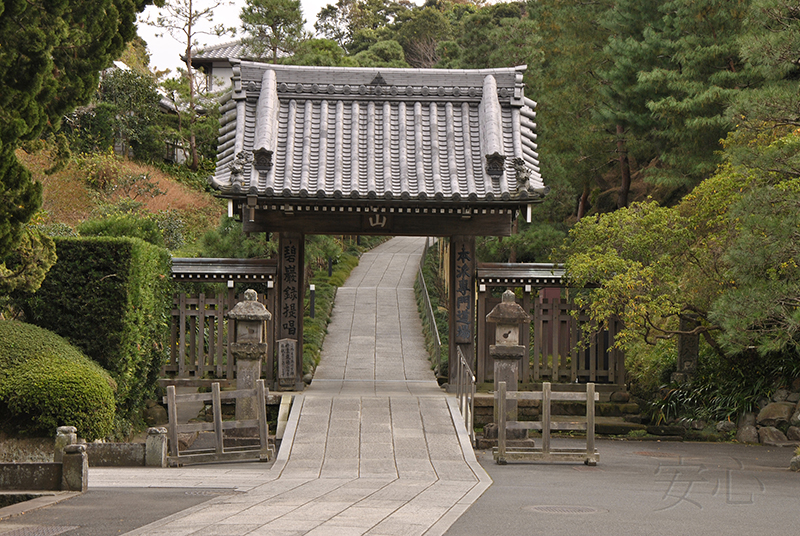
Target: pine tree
623, 112
703, 72
578, 151
272, 26
51, 55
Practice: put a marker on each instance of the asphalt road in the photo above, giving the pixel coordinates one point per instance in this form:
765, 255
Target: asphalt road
641, 488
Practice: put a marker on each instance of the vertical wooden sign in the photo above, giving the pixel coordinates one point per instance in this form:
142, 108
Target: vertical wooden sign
463, 254
291, 292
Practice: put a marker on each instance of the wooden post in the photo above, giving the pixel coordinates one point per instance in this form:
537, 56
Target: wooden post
220, 334
182, 336
483, 344
538, 335
590, 458
216, 406
263, 431
525, 372
501, 423
172, 410
546, 417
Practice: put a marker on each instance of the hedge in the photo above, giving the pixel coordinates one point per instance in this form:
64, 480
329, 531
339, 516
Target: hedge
45, 382
110, 297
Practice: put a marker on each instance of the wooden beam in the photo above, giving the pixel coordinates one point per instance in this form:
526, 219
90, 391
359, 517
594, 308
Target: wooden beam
354, 223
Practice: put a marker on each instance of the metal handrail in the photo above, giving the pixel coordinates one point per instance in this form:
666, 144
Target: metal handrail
465, 392
428, 308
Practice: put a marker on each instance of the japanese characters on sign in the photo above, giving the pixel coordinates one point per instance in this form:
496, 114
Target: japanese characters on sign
290, 288
287, 359
463, 293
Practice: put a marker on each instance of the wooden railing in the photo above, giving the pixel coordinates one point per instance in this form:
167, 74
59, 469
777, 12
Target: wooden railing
261, 451
546, 452
465, 392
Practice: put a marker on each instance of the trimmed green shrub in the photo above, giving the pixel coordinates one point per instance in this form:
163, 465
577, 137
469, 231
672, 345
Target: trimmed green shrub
45, 382
131, 225
110, 297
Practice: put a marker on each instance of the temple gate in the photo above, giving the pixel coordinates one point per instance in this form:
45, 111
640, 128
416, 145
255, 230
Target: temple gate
376, 151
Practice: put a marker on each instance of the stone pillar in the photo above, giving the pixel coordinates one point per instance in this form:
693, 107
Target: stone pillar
291, 292
462, 302
155, 448
75, 468
507, 352
249, 349
65, 435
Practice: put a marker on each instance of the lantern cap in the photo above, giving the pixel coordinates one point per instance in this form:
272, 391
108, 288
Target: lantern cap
508, 311
249, 308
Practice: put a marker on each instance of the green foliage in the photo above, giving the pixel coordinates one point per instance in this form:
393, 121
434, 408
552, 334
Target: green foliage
25, 269
691, 92
648, 367
130, 225
382, 54
321, 52
273, 27
420, 35
229, 241
763, 308
52, 55
438, 300
45, 382
110, 297
125, 113
725, 387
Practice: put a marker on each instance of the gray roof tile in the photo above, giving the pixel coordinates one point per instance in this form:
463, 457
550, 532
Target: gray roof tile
368, 133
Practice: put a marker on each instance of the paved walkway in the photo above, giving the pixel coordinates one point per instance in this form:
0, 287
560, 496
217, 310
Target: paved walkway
372, 447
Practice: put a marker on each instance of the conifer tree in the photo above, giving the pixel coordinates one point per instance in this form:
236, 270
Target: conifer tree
51, 55
272, 26
703, 72
623, 112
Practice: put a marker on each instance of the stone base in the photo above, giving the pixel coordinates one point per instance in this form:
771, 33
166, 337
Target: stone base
512, 431
483, 443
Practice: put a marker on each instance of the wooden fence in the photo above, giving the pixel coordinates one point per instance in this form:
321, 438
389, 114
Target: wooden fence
199, 335
553, 343
562, 352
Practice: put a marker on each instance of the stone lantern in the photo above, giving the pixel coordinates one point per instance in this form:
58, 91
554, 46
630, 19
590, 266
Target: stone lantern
249, 348
507, 352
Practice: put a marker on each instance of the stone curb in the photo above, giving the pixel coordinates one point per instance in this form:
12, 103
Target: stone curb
46, 499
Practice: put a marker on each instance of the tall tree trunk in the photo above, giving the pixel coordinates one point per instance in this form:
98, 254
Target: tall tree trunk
194, 164
583, 204
624, 169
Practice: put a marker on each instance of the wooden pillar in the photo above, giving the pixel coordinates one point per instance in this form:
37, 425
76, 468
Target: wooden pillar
462, 301
289, 310
483, 345
270, 374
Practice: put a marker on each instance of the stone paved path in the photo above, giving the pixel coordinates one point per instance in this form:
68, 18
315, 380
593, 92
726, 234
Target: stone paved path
372, 447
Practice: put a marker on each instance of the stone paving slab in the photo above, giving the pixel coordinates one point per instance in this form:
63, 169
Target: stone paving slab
372, 447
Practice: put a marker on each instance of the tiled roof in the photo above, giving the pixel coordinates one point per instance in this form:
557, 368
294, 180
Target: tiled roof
294, 132
232, 50
222, 51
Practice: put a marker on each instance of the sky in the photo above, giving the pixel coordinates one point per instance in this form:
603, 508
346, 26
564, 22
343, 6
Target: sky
165, 51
